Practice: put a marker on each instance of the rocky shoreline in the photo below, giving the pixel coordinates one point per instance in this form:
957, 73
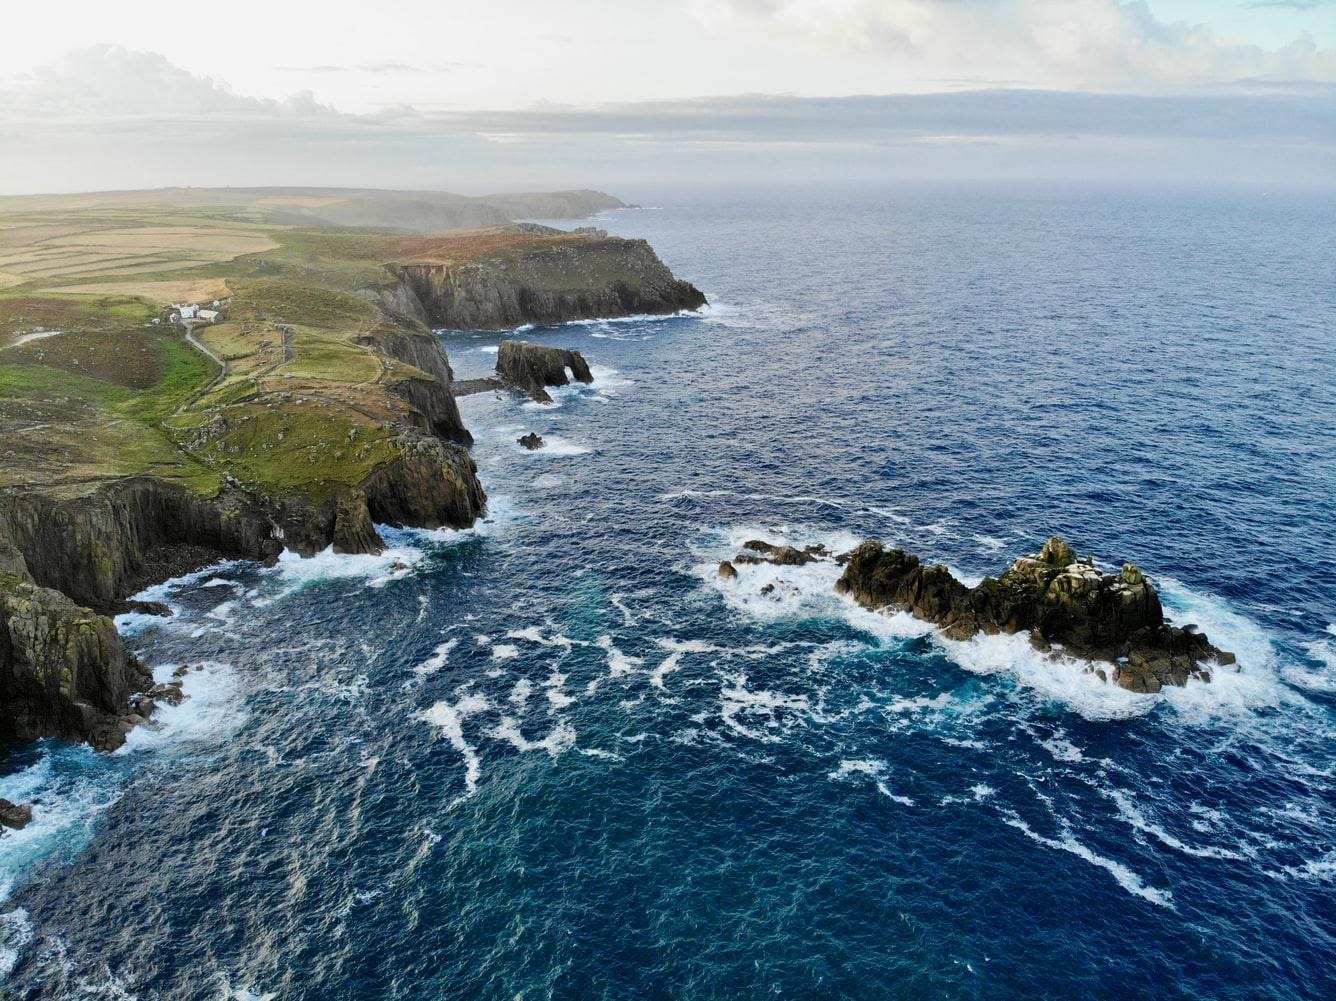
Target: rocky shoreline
70, 561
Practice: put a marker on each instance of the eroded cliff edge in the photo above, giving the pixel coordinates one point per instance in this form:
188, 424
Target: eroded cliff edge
548, 277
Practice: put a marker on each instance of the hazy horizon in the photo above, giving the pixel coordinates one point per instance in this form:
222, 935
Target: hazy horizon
752, 91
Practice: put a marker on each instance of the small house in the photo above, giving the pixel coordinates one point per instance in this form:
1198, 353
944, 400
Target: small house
208, 315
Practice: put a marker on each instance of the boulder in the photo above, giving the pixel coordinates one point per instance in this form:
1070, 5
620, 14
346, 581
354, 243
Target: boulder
15, 816
727, 570
531, 441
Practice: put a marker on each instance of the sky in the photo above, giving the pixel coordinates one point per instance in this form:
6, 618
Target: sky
440, 94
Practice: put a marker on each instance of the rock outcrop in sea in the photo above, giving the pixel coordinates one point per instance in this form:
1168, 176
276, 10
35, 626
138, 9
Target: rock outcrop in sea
531, 368
1062, 600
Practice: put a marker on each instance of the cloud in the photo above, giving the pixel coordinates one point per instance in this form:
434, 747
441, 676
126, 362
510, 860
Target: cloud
388, 66
1105, 44
1301, 5
111, 117
109, 81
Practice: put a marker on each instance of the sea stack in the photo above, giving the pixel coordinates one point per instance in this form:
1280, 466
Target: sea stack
531, 368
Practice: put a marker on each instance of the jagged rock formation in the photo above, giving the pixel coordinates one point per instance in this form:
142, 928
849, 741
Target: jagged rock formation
566, 278
532, 367
533, 440
433, 398
1060, 599
469, 387
63, 670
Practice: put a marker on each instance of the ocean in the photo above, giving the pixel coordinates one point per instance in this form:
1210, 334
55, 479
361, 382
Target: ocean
556, 756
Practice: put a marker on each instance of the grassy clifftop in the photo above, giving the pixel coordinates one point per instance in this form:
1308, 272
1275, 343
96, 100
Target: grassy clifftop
293, 389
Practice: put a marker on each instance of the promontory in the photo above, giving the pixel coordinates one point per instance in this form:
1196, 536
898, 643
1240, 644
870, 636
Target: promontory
192, 374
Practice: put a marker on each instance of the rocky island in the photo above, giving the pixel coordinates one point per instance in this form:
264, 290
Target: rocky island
1063, 602
190, 375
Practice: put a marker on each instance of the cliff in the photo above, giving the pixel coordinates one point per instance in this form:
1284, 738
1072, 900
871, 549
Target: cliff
63, 670
543, 277
1060, 599
315, 404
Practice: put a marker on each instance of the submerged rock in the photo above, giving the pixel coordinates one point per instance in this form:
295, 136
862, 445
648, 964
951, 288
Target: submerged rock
1060, 598
784, 556
531, 368
531, 441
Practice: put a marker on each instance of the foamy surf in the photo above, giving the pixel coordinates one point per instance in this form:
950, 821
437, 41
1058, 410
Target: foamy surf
808, 591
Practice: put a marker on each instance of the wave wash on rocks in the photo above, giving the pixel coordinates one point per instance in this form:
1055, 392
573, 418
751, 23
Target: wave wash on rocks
1062, 600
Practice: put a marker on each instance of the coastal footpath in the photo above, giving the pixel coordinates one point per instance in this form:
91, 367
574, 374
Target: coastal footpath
194, 376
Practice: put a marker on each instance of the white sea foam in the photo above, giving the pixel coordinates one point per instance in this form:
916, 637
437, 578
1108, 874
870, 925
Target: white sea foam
560, 738
435, 662
449, 720
213, 707
619, 664
534, 634
73, 787
871, 769
557, 698
760, 715
505, 651
519, 695
554, 447
490, 349
676, 649
1130, 814
1323, 679
1124, 876
16, 932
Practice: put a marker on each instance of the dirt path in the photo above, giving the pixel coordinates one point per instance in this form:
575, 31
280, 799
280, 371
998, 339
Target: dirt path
195, 343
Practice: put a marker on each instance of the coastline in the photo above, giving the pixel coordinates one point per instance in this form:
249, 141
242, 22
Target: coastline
71, 554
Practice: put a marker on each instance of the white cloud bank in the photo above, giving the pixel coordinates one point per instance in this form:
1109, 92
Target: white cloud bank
109, 117
1065, 44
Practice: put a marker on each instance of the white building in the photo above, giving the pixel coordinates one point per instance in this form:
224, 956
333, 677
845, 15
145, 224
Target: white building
208, 315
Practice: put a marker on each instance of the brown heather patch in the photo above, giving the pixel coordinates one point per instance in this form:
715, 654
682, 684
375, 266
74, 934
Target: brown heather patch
468, 245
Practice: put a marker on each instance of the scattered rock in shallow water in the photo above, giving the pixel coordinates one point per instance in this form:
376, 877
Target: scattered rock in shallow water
171, 694
1064, 602
727, 570
768, 589
15, 816
149, 608
784, 556
531, 441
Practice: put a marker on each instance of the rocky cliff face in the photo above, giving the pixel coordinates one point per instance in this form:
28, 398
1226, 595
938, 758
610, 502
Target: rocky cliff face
1060, 599
432, 397
66, 564
532, 367
63, 670
555, 282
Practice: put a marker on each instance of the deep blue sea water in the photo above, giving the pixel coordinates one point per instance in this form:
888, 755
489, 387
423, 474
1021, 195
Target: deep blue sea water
557, 757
